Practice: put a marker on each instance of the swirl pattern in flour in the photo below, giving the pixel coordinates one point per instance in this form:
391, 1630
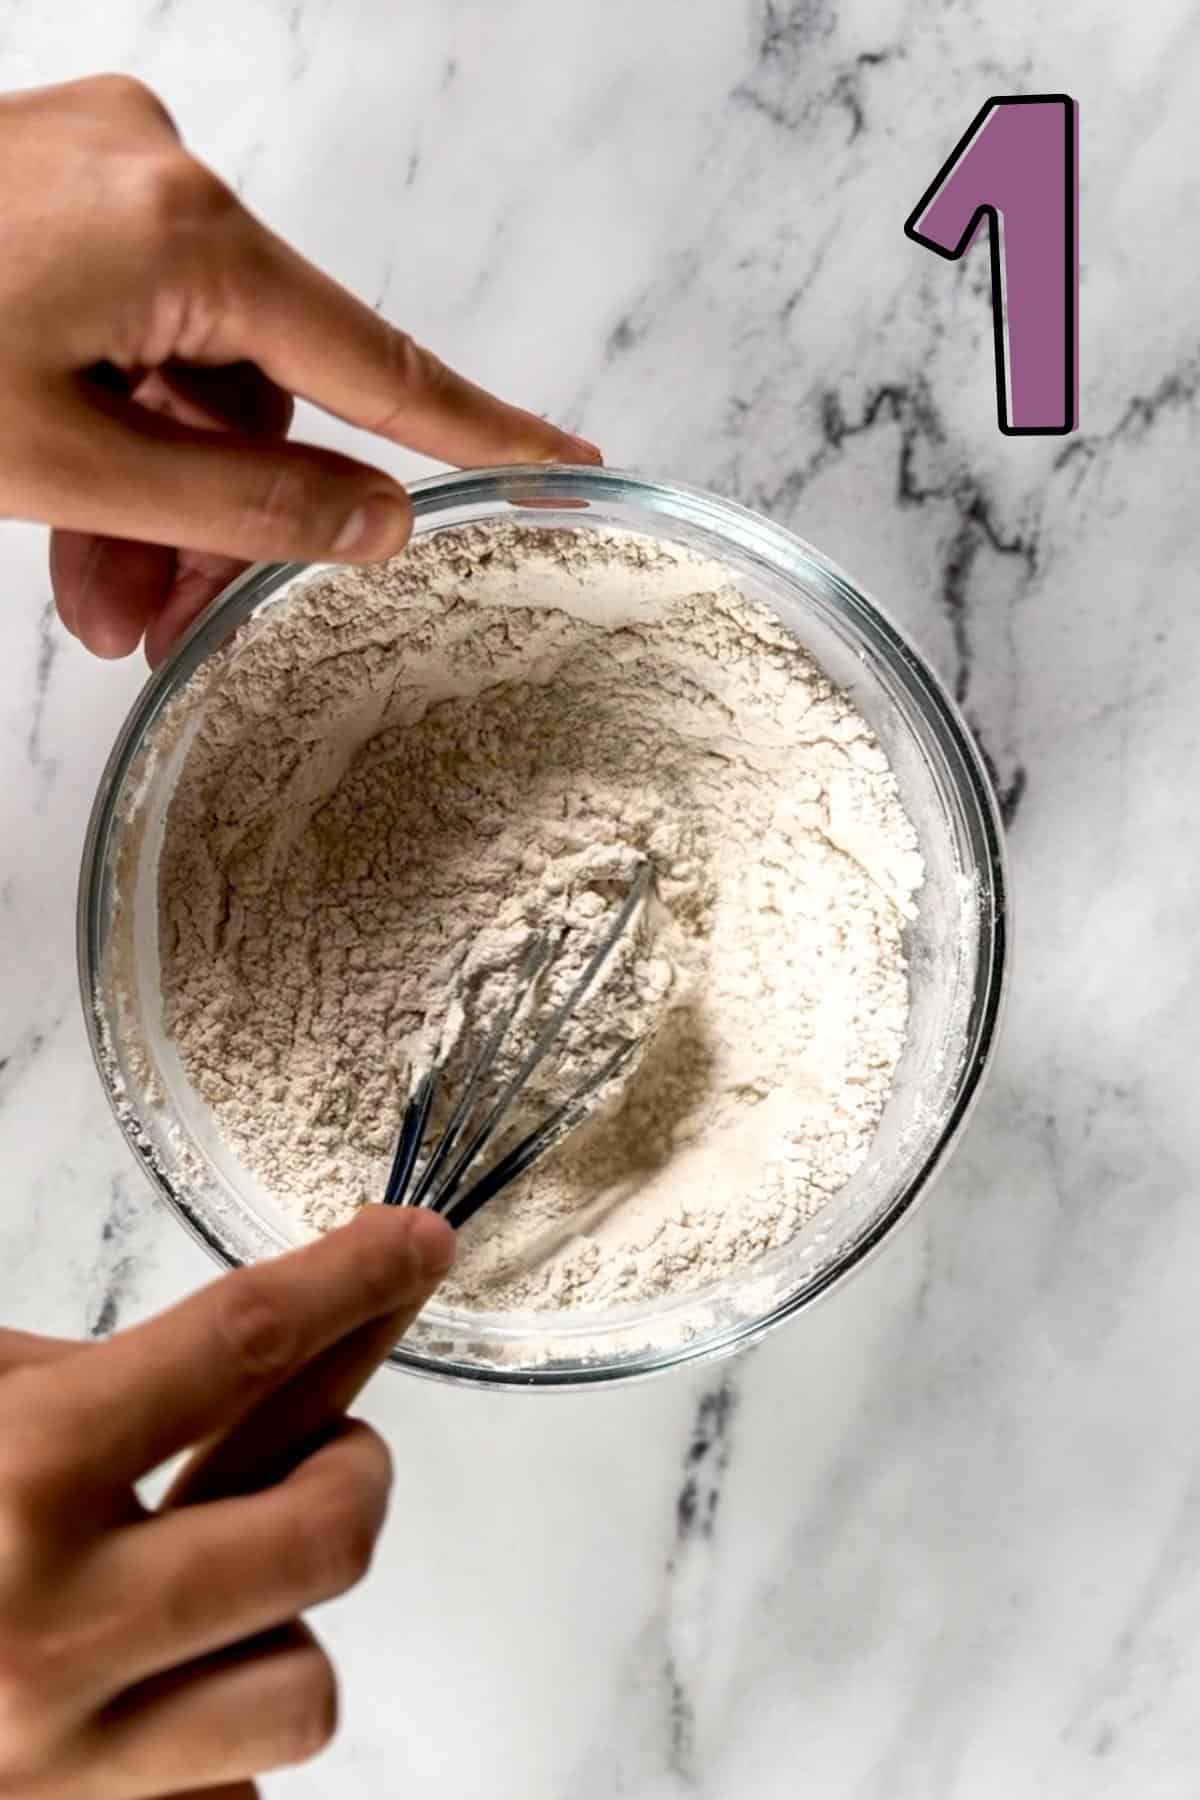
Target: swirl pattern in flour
403, 773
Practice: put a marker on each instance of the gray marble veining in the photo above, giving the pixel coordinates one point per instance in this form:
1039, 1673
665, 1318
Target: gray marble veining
940, 1540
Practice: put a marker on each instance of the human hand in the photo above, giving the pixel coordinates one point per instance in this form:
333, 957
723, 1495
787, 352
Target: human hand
147, 1653
152, 335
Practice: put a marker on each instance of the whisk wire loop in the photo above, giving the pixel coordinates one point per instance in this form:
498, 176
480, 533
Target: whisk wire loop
444, 1172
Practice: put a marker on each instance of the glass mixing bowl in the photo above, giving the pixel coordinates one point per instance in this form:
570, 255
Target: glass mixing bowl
956, 947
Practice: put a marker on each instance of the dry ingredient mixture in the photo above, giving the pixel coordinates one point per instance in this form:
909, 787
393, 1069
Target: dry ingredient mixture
405, 772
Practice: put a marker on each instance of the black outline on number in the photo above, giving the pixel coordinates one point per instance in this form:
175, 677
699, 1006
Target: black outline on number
1071, 346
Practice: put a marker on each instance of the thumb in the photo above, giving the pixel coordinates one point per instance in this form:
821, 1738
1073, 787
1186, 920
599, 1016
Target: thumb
117, 469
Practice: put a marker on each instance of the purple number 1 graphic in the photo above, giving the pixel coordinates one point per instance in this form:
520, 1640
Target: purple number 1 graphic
1017, 166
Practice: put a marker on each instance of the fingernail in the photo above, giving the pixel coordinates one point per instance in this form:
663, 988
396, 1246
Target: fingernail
585, 452
376, 527
432, 1242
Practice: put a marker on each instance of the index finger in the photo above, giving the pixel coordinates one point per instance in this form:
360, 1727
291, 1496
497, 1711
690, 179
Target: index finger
241, 1790
315, 338
18, 1349
112, 1412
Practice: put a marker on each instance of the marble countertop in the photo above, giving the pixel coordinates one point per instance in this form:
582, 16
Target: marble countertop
939, 1539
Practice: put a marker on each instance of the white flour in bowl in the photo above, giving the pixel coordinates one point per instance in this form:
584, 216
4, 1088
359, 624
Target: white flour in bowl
403, 773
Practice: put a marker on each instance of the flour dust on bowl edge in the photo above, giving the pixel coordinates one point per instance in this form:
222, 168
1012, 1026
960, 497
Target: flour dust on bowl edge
955, 948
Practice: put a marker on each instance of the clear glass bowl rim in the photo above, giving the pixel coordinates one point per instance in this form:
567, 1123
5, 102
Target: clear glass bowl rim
483, 494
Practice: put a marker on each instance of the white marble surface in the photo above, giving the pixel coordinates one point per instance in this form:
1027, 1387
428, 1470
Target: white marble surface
942, 1537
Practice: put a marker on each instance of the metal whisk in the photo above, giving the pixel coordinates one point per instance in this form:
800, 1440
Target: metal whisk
442, 1183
